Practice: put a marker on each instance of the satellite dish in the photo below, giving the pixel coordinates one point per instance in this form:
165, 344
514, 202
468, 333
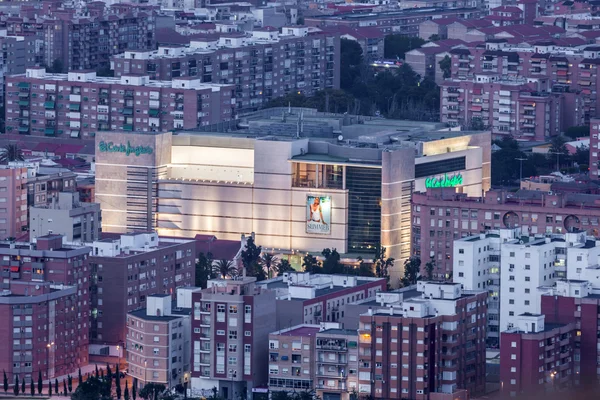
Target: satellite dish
340, 138
37, 287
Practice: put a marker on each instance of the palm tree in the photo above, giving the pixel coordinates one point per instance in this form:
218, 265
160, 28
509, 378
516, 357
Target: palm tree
282, 267
11, 152
225, 268
268, 261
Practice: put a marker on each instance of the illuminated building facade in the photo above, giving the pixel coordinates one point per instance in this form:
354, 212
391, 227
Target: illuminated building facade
298, 189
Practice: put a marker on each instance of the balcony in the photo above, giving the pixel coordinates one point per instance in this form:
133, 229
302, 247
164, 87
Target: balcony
128, 127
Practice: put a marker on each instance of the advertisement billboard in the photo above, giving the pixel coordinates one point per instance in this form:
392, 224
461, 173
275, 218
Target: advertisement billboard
318, 209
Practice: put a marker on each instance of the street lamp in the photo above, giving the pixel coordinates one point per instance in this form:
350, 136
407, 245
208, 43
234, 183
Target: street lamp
49, 348
145, 372
119, 356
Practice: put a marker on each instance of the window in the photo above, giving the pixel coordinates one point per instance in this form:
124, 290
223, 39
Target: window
513, 344
513, 356
156, 339
156, 351
220, 332
232, 361
233, 347
247, 333
233, 309
232, 334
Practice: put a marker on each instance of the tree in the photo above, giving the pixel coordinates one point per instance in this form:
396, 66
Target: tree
412, 267
118, 383
575, 132
79, 377
280, 395
268, 262
5, 382
32, 388
11, 152
49, 388
105, 71
331, 264
434, 38
429, 267
396, 46
151, 391
582, 157
381, 263
97, 374
16, 387
134, 386
23, 386
109, 377
56, 386
40, 385
363, 268
282, 267
558, 150
126, 392
70, 383
351, 61
65, 387
311, 264
56, 68
446, 66
250, 256
225, 269
94, 388
204, 269
505, 164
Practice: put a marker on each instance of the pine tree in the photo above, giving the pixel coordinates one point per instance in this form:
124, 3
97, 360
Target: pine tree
40, 385
80, 377
65, 387
97, 374
109, 377
32, 388
16, 388
134, 386
49, 388
23, 386
56, 386
126, 392
5, 382
70, 383
118, 383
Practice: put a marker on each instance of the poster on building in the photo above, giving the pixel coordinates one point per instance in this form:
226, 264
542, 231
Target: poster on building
318, 210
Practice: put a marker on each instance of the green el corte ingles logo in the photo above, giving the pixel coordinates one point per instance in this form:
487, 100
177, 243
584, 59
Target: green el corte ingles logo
445, 181
128, 149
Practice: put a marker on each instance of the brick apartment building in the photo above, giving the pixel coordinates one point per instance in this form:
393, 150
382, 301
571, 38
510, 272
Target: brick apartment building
536, 356
594, 147
125, 271
266, 65
304, 298
45, 308
441, 216
230, 334
427, 348
13, 201
84, 39
517, 107
486, 82
577, 301
321, 358
158, 342
79, 104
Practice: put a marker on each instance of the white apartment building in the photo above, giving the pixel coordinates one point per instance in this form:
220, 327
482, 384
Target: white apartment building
477, 267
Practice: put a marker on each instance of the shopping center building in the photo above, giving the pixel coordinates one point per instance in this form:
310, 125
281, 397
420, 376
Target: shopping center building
300, 180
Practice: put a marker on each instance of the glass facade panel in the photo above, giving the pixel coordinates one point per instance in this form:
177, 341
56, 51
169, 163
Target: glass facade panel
440, 167
364, 207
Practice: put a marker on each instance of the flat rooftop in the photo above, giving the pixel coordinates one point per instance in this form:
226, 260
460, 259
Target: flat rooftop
301, 331
336, 331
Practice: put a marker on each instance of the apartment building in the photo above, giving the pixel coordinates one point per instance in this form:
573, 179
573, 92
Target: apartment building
405, 22
230, 351
304, 298
292, 357
158, 342
441, 216
67, 216
536, 356
577, 302
79, 104
266, 65
125, 271
522, 108
38, 280
13, 201
564, 94
18, 53
477, 266
83, 39
45, 183
594, 147
431, 346
336, 375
